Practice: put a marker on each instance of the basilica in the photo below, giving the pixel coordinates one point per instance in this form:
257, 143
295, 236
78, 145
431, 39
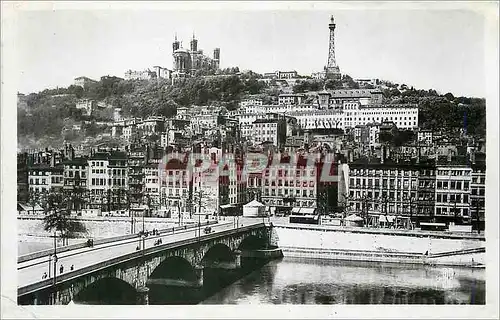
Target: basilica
188, 61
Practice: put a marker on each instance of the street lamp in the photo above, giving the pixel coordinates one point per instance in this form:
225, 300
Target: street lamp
54, 280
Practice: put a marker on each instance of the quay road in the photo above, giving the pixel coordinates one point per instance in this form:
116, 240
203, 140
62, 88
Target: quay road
31, 271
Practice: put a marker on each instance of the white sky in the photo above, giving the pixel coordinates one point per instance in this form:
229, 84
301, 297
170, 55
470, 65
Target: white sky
440, 49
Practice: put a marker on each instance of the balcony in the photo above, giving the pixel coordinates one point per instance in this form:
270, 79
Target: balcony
135, 182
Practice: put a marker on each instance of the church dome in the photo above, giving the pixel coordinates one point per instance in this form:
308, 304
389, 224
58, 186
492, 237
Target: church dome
181, 51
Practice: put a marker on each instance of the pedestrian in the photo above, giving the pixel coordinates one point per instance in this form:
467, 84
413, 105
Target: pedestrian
72, 267
61, 269
44, 276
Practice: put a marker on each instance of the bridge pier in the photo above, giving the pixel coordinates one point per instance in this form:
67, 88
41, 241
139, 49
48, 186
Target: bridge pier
237, 258
143, 295
198, 270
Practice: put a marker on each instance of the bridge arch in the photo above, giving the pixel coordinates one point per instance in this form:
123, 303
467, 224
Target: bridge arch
253, 242
174, 267
219, 252
107, 290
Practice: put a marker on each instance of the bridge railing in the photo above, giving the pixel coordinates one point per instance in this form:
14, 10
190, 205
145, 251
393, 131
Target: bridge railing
43, 284
44, 253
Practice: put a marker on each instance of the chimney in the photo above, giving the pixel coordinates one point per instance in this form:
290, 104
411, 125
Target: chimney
473, 157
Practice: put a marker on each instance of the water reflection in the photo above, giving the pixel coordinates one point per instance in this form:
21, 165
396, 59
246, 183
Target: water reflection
306, 281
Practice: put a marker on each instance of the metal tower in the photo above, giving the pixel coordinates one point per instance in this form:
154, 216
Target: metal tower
332, 70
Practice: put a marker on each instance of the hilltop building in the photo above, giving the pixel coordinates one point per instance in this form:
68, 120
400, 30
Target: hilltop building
188, 61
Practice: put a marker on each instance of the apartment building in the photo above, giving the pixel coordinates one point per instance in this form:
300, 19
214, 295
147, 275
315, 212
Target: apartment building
250, 102
75, 173
478, 182
269, 130
405, 188
43, 178
453, 192
108, 180
291, 98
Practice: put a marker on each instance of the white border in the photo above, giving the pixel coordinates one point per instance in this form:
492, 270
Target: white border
8, 177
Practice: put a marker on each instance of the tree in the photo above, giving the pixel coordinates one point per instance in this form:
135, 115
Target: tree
34, 198
345, 205
449, 96
58, 217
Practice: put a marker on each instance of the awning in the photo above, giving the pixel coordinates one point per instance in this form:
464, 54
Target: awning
227, 206
303, 211
389, 219
28, 207
354, 217
307, 210
296, 210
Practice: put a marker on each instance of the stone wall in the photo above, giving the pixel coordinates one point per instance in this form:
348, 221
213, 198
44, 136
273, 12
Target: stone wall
99, 227
302, 238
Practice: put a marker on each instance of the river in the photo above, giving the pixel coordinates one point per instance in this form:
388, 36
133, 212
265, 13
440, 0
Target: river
306, 281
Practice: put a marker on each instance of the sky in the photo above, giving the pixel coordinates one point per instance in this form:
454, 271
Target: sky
438, 49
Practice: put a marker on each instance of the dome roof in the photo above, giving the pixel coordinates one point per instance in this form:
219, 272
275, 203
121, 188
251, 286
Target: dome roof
181, 50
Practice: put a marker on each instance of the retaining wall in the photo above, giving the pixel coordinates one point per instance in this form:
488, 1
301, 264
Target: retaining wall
333, 239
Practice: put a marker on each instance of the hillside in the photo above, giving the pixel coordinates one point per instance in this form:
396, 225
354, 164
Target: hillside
51, 116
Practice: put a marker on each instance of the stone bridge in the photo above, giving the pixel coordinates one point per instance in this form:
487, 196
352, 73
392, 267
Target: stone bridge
175, 264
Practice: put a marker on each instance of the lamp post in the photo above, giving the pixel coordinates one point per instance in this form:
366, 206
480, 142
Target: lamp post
54, 280
50, 264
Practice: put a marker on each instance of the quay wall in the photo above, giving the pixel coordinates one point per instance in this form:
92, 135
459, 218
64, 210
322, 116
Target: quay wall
97, 227
317, 242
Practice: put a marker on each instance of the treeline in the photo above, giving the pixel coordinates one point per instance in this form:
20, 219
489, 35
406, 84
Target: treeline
443, 112
345, 82
48, 109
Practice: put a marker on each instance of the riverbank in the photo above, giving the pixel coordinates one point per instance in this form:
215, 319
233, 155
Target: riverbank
363, 244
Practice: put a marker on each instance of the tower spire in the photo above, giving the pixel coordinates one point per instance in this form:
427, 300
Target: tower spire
332, 70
